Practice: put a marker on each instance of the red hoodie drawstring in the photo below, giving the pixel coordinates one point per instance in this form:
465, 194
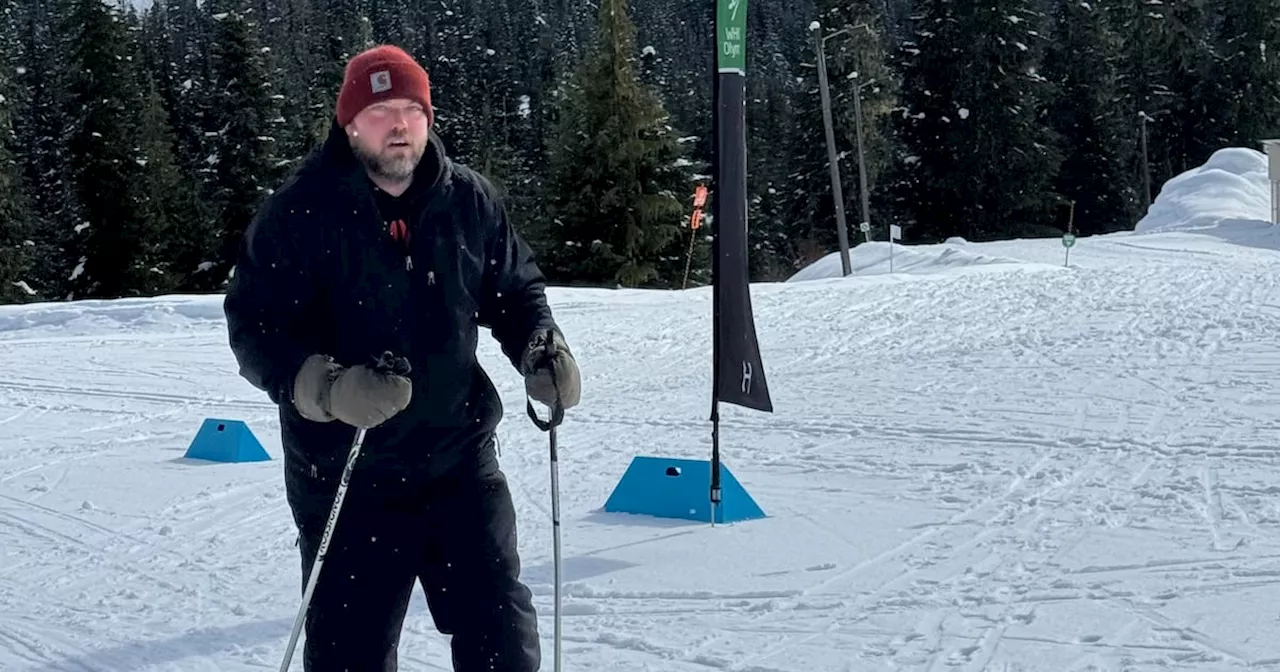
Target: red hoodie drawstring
400, 234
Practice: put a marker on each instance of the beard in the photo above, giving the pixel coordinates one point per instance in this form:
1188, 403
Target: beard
393, 162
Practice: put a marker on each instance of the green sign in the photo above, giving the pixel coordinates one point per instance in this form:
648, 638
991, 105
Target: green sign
731, 54
1068, 240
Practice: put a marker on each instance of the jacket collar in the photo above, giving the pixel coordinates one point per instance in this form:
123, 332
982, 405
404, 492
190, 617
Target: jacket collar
335, 156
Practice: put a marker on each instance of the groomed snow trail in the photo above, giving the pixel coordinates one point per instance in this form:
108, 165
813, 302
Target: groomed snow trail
1009, 465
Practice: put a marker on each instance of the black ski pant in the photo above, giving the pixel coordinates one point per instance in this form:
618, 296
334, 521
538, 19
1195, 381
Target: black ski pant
455, 535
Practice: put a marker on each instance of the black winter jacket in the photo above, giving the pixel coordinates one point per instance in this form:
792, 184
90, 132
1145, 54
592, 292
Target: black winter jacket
319, 272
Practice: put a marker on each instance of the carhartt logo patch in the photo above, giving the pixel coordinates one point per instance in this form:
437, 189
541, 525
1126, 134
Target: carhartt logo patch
380, 81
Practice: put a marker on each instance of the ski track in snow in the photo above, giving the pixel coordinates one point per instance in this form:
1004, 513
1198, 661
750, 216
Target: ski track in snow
1014, 467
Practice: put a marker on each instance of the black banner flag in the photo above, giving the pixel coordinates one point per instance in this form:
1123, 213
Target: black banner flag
739, 371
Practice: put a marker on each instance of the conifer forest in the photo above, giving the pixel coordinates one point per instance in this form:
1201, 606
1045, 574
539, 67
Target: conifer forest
137, 138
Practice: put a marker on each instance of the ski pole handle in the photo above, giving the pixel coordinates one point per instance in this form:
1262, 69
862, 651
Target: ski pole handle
557, 410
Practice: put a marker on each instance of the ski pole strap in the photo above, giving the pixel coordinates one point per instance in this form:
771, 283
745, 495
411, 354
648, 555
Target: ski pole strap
557, 409
391, 363
557, 415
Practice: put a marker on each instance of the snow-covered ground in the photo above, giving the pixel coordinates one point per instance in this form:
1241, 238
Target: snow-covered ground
986, 461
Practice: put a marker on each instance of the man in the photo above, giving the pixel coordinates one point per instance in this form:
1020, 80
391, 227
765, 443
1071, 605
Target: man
381, 243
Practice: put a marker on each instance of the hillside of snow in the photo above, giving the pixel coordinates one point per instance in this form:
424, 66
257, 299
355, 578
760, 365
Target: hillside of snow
876, 258
989, 461
1228, 198
1230, 190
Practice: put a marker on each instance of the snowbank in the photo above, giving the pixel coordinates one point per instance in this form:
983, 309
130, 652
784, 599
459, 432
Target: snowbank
1229, 193
873, 259
177, 313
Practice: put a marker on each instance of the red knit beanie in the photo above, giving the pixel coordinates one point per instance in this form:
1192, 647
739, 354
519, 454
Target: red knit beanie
378, 74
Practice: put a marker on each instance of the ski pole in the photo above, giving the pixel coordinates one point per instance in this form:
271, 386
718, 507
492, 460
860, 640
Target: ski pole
388, 363
324, 547
557, 416
550, 427
555, 533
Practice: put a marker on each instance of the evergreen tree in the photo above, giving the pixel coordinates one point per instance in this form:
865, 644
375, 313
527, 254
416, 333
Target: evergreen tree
466, 91
552, 35
152, 45
775, 36
681, 33
17, 247
1242, 86
338, 36
161, 197
480, 90
978, 160
389, 21
42, 122
770, 191
1163, 57
1190, 57
183, 29
165, 197
1096, 135
287, 30
617, 187
242, 167
856, 65
116, 250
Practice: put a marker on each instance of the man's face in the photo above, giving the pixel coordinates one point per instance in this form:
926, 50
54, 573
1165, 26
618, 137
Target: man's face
390, 137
